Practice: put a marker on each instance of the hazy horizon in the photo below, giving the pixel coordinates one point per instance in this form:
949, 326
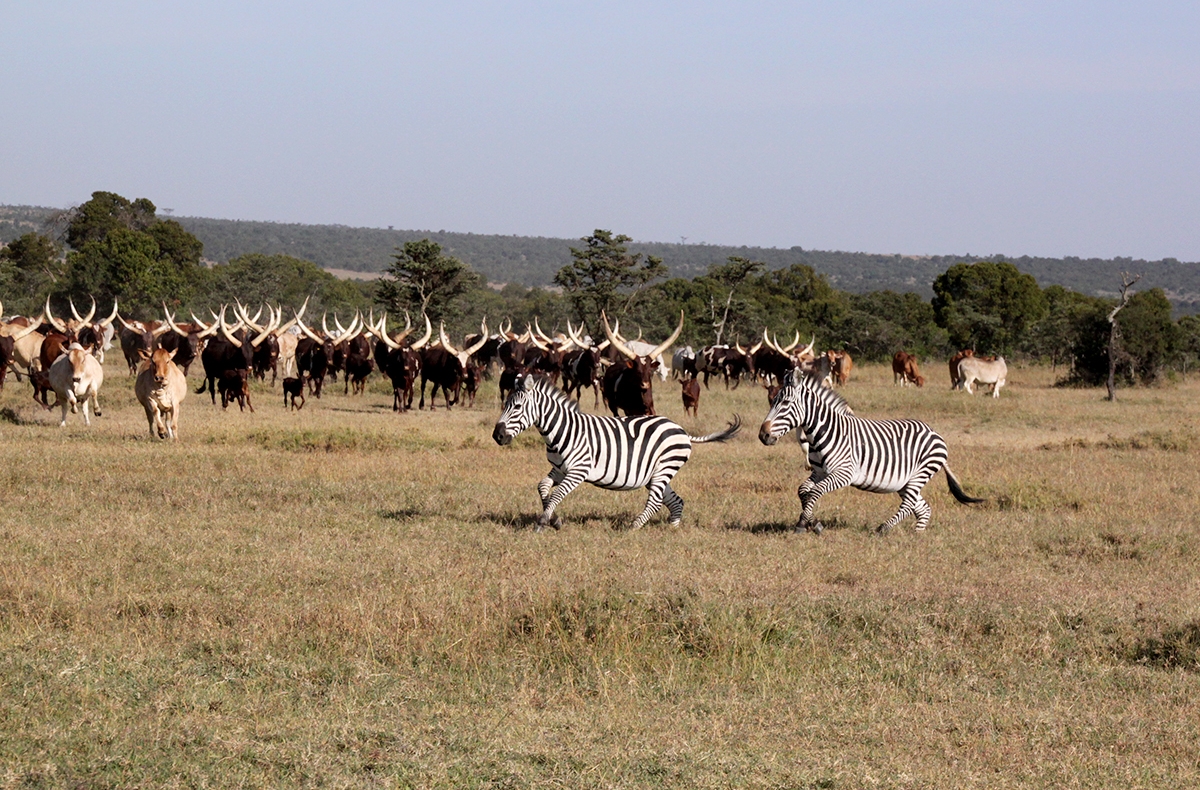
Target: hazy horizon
914, 128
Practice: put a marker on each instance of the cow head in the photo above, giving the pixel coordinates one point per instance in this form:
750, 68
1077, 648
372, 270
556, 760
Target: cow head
159, 361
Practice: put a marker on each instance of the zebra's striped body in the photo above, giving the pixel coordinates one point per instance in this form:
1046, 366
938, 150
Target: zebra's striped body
882, 456
619, 453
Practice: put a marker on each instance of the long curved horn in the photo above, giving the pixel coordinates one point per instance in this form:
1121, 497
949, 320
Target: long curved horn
54, 322
311, 334
380, 331
130, 327
206, 330
280, 330
667, 343
108, 321
325, 325
271, 324
483, 338
446, 344
613, 339
428, 334
75, 312
240, 312
738, 345
225, 330
574, 335
754, 348
338, 324
540, 333
29, 330
795, 342
171, 321
807, 349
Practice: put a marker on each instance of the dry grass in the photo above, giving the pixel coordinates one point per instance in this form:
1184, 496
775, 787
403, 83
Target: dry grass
346, 597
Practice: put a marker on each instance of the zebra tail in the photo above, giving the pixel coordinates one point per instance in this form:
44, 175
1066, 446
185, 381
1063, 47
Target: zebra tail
957, 490
721, 436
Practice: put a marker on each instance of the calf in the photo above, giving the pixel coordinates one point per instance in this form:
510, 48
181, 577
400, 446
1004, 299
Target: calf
41, 387
691, 396
234, 384
905, 371
293, 387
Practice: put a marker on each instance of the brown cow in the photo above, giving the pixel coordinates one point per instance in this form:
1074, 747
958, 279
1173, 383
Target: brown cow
691, 396
905, 371
955, 377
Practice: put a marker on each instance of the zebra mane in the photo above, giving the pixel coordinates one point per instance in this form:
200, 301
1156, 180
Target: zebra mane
825, 395
543, 384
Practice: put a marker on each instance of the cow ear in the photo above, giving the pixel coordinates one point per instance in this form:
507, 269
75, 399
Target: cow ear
172, 354
143, 353
654, 365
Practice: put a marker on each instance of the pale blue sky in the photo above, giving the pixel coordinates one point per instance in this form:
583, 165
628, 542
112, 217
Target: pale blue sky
1042, 128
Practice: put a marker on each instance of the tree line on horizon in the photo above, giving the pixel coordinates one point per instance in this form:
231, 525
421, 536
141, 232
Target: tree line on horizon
113, 248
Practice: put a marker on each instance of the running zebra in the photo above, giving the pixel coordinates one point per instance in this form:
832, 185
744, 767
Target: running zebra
844, 450
618, 453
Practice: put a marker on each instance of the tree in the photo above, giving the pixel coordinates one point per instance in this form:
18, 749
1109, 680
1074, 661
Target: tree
423, 279
603, 276
30, 266
105, 212
283, 280
1114, 334
730, 275
987, 305
121, 250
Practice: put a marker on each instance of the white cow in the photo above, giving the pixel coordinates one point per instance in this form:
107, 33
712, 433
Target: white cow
160, 388
973, 369
76, 377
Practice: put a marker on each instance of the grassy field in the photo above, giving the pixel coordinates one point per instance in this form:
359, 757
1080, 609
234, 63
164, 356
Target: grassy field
344, 597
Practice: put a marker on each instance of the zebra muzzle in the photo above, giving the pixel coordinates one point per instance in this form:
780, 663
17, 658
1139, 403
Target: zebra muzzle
501, 435
765, 436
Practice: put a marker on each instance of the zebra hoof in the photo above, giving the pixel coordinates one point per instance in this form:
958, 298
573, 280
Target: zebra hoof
816, 528
882, 529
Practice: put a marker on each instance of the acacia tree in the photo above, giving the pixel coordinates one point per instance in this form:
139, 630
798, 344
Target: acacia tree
424, 279
604, 276
730, 275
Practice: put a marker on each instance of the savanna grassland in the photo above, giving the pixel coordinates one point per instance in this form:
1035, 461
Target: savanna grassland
344, 597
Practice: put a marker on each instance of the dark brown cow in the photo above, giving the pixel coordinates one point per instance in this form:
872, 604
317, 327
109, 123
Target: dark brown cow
446, 367
691, 396
234, 384
627, 384
400, 363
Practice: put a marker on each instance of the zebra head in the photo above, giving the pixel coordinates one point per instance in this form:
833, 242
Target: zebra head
518, 413
801, 400
785, 409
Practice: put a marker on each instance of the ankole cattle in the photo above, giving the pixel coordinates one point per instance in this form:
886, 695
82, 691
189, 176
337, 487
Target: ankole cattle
628, 384
161, 388
691, 395
293, 388
234, 385
399, 362
76, 377
446, 367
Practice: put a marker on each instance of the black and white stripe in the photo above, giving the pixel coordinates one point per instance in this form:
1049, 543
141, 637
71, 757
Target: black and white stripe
619, 453
898, 456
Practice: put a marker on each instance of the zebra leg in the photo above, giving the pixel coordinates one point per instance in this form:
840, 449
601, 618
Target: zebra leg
674, 504
566, 485
911, 503
654, 502
548, 482
810, 492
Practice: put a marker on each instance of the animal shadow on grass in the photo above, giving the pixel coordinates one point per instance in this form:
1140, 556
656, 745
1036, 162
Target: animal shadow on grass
403, 514
778, 527
529, 520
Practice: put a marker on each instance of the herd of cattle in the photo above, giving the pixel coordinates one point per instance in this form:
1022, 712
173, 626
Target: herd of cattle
65, 356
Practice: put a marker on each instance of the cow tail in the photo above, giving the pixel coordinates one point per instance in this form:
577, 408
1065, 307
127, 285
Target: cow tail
721, 436
957, 490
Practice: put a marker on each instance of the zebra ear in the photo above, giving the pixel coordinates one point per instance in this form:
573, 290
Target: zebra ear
527, 383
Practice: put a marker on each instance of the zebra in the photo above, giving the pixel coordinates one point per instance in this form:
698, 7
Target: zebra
617, 453
881, 456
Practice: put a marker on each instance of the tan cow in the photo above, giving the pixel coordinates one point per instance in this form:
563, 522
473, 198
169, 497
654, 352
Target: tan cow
840, 364
76, 377
160, 388
973, 369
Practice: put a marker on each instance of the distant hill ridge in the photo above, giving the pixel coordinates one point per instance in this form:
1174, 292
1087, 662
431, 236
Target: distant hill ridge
533, 260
